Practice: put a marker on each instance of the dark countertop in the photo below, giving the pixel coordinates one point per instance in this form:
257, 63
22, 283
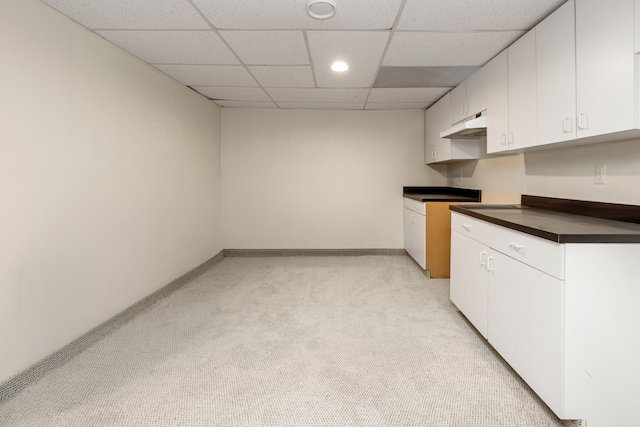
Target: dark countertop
561, 227
441, 194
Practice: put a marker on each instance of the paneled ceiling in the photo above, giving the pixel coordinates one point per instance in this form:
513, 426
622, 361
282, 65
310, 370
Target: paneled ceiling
272, 54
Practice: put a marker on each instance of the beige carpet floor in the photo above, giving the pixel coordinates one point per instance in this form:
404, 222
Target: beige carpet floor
289, 341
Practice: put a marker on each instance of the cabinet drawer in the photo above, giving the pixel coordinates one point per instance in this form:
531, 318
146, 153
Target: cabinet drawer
415, 206
544, 255
472, 227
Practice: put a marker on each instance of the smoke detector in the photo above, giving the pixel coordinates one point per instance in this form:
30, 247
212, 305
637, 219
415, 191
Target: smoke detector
321, 9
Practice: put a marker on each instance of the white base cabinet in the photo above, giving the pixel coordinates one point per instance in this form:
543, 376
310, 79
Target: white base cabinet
415, 231
468, 278
525, 324
564, 316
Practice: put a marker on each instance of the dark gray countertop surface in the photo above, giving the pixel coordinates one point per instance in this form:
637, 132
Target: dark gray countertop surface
441, 194
555, 226
440, 198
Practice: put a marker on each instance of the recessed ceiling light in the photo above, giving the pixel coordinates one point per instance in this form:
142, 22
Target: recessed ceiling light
321, 9
339, 67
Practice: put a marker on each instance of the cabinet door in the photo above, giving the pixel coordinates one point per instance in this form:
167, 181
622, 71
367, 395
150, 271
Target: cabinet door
477, 92
459, 107
436, 120
415, 236
468, 282
497, 103
525, 324
556, 76
522, 92
605, 66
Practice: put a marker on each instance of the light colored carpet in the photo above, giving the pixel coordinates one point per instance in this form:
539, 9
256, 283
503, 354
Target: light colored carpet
289, 341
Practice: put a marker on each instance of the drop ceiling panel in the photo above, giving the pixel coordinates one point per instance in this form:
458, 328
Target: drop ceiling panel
233, 93
317, 95
323, 105
209, 75
246, 104
268, 47
283, 76
447, 49
422, 76
271, 15
361, 50
425, 94
396, 105
465, 15
173, 47
132, 14
270, 53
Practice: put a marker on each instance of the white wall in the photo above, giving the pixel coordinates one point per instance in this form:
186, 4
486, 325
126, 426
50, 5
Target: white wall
500, 177
109, 176
565, 173
570, 173
319, 179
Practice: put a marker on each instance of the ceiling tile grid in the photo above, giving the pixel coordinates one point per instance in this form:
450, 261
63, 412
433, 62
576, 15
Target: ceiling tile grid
318, 95
323, 105
272, 54
233, 93
173, 47
271, 15
447, 49
283, 76
132, 14
396, 105
361, 50
268, 47
477, 15
423, 94
209, 75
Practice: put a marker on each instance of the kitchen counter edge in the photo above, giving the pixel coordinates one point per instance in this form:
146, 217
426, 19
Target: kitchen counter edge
558, 236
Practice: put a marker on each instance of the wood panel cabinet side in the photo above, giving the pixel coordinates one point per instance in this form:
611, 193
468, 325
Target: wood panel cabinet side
438, 238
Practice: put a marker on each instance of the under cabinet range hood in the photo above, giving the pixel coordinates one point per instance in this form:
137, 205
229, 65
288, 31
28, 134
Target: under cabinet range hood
472, 128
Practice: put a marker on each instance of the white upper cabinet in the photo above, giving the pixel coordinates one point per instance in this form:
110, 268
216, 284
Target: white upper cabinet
556, 76
637, 27
605, 63
511, 97
470, 97
573, 79
439, 150
458, 108
497, 103
522, 92
477, 92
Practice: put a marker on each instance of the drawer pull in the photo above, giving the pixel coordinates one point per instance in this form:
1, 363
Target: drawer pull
483, 258
517, 247
466, 227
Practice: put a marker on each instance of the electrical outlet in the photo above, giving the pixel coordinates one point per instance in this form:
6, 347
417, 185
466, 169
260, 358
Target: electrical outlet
601, 173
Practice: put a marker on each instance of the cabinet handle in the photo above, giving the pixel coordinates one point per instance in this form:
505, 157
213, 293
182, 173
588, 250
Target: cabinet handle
483, 258
517, 247
434, 155
583, 121
490, 264
511, 138
567, 126
503, 139
466, 227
